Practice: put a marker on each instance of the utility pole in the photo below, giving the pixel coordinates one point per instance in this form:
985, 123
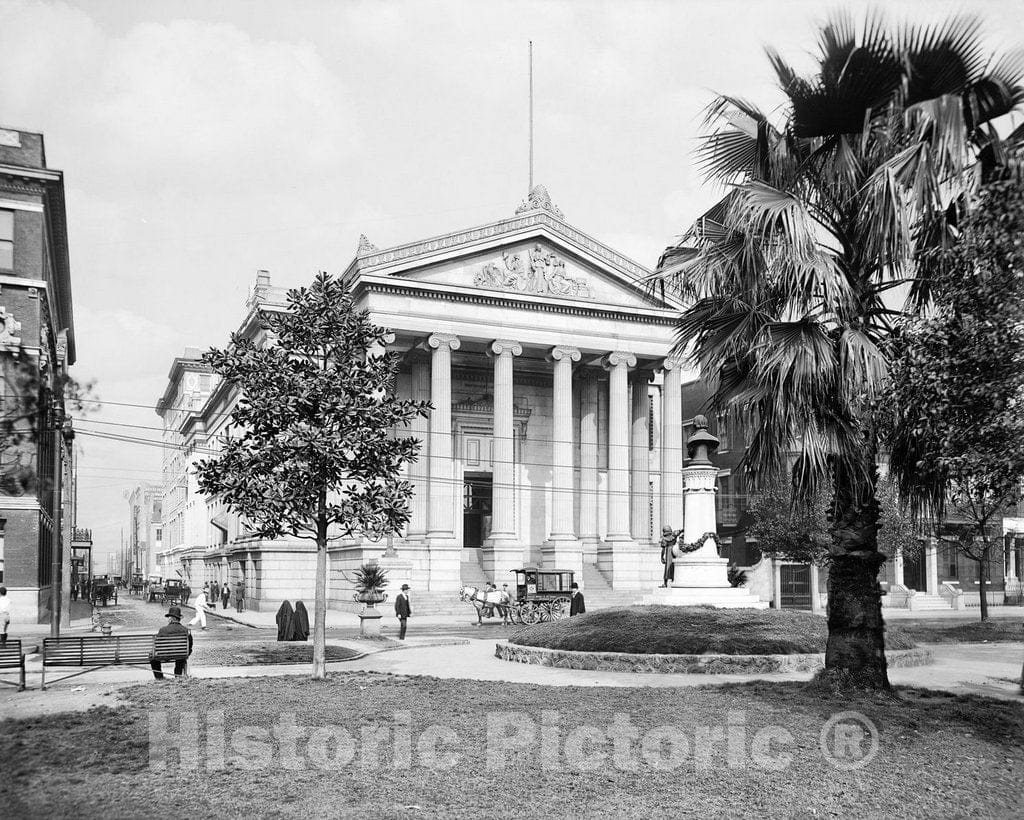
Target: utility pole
57, 415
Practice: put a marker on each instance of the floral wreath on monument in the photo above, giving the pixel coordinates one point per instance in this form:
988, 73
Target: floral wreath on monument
682, 549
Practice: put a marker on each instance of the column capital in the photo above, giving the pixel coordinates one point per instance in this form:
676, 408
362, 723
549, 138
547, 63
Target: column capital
557, 354
671, 363
499, 347
438, 340
617, 358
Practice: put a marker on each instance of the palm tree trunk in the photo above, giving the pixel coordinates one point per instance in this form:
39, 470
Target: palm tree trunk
855, 652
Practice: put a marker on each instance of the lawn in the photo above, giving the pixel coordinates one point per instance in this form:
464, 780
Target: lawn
673, 630
999, 629
506, 750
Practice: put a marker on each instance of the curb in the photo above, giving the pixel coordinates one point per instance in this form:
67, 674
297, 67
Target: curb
687, 664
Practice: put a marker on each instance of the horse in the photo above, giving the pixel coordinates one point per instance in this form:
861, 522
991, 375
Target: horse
483, 607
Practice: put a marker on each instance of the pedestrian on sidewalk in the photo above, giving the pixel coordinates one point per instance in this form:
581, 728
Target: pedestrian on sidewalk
300, 623
240, 596
5, 614
576, 604
284, 621
173, 627
200, 605
225, 596
402, 610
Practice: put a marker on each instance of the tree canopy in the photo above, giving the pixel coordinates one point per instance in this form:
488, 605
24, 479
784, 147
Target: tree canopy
312, 450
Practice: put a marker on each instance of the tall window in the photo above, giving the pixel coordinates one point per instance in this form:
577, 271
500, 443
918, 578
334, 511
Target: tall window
3, 530
7, 239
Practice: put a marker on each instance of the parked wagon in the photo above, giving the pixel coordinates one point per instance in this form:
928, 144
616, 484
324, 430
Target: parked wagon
102, 591
541, 594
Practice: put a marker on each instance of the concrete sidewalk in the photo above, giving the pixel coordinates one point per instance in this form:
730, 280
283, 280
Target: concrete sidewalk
970, 614
350, 620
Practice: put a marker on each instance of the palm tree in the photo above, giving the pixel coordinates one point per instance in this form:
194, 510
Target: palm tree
791, 278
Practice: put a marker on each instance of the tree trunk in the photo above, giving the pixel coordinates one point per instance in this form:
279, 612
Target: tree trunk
320, 614
983, 581
855, 652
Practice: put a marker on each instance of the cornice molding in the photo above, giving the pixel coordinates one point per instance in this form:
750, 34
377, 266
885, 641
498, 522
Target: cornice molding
412, 250
405, 286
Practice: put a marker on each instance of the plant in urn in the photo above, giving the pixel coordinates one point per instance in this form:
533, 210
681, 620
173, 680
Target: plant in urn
370, 580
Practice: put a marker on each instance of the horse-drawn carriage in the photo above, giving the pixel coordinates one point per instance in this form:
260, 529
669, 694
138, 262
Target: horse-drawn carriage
137, 584
102, 590
170, 591
540, 595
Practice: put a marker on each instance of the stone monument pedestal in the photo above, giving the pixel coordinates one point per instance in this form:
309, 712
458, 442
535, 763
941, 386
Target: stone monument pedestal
701, 576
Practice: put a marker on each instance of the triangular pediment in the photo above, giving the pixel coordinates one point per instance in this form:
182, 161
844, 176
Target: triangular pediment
546, 260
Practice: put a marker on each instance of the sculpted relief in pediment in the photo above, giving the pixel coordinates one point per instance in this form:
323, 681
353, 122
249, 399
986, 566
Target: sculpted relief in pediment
535, 271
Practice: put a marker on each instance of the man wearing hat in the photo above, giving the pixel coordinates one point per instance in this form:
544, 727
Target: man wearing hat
402, 610
576, 604
174, 627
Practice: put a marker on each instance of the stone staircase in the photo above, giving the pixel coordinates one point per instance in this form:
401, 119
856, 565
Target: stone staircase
922, 602
599, 594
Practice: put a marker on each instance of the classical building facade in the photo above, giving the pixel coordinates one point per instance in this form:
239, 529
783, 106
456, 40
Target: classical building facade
556, 431
37, 344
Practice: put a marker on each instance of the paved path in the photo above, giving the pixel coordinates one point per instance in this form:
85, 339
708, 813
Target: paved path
983, 669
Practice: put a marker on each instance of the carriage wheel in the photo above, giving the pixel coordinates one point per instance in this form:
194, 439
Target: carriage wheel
531, 613
559, 608
515, 614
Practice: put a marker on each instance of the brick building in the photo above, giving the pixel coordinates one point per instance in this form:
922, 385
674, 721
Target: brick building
37, 344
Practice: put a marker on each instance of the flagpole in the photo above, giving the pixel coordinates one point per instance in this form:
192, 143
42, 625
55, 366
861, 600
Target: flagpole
531, 118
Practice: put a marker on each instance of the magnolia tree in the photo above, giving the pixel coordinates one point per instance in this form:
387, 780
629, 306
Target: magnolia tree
311, 450
958, 382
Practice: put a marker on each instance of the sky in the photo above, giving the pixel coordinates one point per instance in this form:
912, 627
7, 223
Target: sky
202, 141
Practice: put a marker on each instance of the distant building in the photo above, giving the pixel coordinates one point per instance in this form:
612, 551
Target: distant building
145, 531
37, 344
183, 521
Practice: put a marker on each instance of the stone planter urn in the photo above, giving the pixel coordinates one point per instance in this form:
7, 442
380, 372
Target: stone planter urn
370, 617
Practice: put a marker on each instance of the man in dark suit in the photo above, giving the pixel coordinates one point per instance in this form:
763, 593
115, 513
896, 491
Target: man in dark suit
402, 610
174, 627
576, 605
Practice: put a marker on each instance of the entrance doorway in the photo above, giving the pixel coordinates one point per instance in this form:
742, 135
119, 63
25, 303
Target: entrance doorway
796, 586
913, 572
476, 508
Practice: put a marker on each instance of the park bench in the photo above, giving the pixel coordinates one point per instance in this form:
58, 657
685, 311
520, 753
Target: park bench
11, 658
101, 651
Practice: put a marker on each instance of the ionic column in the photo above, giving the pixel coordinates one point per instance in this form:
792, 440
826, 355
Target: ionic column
589, 533
618, 365
503, 523
815, 589
440, 519
671, 445
420, 428
897, 567
640, 464
931, 566
561, 445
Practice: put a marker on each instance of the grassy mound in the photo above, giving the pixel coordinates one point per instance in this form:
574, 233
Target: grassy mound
261, 653
672, 630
